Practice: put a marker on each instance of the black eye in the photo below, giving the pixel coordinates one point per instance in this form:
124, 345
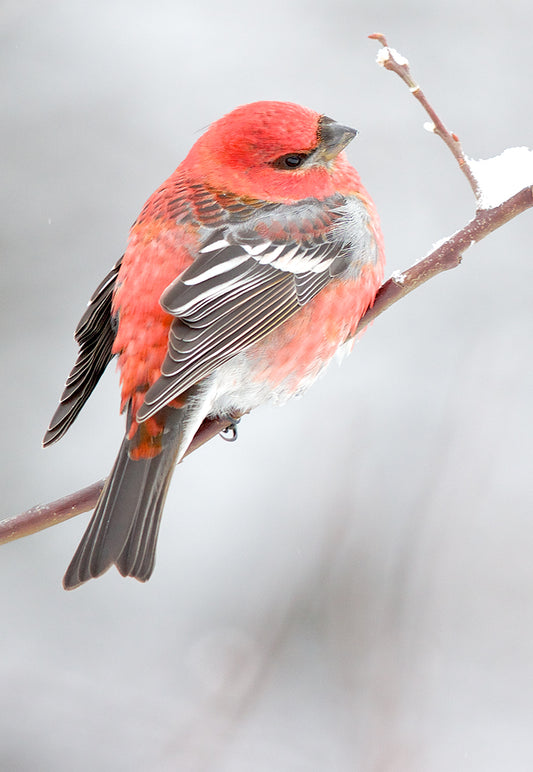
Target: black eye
290, 161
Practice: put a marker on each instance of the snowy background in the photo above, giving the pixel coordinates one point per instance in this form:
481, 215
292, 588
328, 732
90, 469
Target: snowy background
350, 585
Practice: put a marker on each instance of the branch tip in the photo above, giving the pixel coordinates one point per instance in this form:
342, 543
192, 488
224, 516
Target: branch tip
380, 37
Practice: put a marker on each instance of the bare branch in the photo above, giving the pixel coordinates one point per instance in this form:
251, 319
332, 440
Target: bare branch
392, 60
43, 516
448, 254
444, 257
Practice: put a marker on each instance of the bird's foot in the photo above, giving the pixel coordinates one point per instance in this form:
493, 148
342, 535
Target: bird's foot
230, 432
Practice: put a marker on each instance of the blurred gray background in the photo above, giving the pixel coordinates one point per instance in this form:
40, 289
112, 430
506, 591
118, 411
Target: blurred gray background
350, 585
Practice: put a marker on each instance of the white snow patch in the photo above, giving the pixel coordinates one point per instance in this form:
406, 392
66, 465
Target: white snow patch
501, 177
398, 277
386, 53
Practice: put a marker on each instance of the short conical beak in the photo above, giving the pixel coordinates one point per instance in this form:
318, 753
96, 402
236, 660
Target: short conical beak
333, 138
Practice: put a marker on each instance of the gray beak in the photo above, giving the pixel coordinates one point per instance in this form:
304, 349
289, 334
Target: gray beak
333, 138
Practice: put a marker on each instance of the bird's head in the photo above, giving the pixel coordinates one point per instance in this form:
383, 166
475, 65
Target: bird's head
275, 150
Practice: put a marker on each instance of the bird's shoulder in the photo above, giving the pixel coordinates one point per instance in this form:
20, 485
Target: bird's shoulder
182, 202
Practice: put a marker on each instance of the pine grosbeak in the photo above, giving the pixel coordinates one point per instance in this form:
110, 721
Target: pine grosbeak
245, 272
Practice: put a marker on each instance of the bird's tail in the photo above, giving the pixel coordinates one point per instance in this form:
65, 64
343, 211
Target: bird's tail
124, 526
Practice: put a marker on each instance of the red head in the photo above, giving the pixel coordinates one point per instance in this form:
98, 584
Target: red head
273, 150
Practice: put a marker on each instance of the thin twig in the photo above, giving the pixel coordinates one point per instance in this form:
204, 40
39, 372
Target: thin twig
392, 60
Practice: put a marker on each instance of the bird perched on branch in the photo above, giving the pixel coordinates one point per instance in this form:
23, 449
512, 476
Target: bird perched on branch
245, 272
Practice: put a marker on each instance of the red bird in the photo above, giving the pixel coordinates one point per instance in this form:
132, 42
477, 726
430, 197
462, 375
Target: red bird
246, 271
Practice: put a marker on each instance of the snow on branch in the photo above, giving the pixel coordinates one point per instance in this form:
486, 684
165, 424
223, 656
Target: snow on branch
501, 177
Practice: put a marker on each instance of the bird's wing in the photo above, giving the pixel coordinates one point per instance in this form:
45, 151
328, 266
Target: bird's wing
94, 334
248, 278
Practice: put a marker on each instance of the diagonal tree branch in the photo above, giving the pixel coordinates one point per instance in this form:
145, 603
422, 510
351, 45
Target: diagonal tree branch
446, 255
43, 516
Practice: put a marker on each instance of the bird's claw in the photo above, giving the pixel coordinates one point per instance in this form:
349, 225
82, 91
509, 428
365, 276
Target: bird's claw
230, 432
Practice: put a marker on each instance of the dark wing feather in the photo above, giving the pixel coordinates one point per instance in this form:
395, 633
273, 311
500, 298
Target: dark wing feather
243, 285
94, 334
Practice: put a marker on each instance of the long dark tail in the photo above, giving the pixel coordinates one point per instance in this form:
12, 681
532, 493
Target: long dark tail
124, 526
